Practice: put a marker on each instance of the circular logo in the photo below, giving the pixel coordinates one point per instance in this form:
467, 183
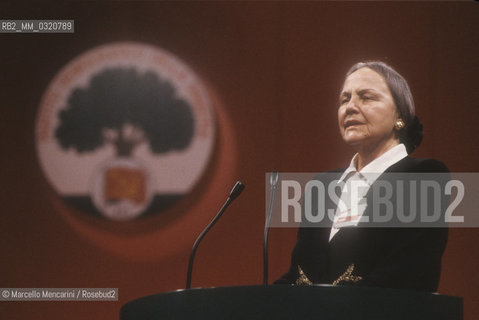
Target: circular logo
124, 131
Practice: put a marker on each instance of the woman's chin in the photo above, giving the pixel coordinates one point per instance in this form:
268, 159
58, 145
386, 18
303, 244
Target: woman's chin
354, 140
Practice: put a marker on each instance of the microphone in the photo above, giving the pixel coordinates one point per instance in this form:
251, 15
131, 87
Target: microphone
273, 182
235, 192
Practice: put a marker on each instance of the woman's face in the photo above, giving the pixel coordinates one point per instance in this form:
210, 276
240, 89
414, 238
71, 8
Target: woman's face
366, 113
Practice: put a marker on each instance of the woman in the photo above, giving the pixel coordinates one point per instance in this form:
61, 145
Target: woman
376, 117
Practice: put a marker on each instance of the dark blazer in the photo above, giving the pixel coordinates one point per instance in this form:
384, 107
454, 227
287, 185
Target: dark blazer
408, 258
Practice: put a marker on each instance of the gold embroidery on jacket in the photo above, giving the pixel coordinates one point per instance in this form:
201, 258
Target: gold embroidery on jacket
302, 279
347, 276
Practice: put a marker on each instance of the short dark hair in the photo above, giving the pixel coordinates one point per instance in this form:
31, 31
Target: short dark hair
411, 134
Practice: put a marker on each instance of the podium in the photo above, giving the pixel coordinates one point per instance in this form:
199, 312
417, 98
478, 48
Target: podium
294, 302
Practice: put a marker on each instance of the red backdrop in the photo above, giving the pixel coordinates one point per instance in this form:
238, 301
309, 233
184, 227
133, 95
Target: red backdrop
277, 69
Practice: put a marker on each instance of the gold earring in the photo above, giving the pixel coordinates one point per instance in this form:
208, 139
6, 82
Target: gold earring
399, 124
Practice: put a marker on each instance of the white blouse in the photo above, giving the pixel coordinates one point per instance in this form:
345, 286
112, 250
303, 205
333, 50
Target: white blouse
356, 184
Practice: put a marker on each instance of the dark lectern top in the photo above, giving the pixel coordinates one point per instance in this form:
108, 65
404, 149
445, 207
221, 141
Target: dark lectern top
294, 302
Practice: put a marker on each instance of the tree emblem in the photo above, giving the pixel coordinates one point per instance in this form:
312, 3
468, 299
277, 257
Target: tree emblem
124, 131
124, 108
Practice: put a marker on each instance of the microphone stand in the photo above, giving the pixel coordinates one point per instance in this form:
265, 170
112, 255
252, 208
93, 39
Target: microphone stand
273, 182
235, 192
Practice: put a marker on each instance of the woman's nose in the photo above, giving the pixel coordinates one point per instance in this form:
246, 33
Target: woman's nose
351, 106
